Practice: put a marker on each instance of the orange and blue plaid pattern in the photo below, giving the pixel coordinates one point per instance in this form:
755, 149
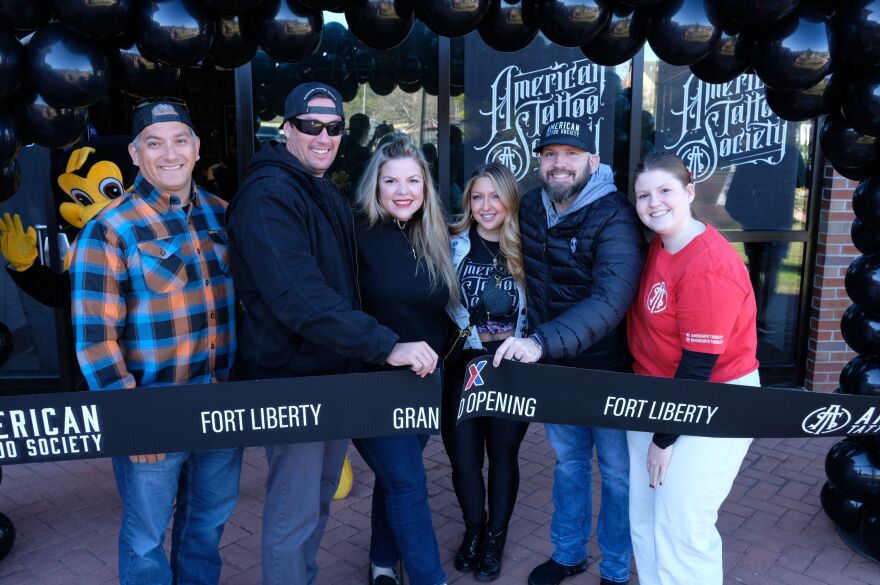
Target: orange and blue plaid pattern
153, 301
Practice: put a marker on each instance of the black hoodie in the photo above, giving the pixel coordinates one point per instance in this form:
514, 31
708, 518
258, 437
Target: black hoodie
293, 257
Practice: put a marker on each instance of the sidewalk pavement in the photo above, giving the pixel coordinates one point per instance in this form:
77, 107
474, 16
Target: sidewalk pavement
775, 532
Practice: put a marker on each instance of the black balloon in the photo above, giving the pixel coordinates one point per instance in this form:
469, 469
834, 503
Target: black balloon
864, 238
620, 39
508, 25
570, 23
850, 466
866, 202
47, 125
862, 283
869, 531
853, 154
10, 143
7, 534
229, 7
843, 511
287, 31
329, 5
66, 69
25, 15
176, 32
861, 330
860, 102
380, 24
409, 68
796, 53
804, 104
138, 76
234, 43
857, 23
10, 181
382, 83
757, 13
728, 59
682, 32
348, 89
96, 18
451, 18
409, 87
12, 58
861, 376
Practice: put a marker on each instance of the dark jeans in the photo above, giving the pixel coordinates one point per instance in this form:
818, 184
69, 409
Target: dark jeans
465, 444
401, 518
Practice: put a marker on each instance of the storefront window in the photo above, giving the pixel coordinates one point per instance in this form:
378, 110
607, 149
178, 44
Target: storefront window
510, 97
751, 171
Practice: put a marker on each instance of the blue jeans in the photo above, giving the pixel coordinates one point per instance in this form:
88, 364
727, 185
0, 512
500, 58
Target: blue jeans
401, 518
573, 499
208, 490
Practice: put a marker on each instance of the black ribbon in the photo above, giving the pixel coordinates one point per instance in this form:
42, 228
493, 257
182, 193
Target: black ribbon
574, 396
84, 425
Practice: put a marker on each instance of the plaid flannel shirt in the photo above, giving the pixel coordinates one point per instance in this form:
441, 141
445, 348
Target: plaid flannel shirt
153, 302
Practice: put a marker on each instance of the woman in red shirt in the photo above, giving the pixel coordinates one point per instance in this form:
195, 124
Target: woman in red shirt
693, 318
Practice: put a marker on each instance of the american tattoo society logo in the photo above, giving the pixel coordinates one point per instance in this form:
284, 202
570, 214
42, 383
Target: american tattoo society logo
826, 420
722, 125
524, 101
656, 301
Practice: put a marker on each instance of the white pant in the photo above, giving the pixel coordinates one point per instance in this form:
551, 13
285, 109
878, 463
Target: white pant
673, 526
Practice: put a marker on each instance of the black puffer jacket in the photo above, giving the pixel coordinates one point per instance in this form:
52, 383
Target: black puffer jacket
581, 276
291, 238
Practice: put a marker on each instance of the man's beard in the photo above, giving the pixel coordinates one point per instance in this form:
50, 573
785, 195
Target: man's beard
560, 193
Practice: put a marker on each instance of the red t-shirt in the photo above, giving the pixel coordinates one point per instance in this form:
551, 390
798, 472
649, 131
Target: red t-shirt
699, 299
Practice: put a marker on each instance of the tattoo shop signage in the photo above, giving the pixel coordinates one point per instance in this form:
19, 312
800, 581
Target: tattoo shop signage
717, 126
83, 425
559, 395
509, 97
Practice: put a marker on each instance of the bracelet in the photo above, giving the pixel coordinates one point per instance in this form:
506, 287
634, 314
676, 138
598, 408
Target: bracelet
537, 340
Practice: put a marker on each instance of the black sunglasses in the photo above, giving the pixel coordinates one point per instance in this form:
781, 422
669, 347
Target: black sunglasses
314, 127
152, 101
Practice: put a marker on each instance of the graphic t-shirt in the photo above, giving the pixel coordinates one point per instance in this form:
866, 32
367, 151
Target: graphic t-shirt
699, 299
475, 274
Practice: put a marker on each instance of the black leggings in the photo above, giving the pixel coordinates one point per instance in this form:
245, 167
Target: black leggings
465, 445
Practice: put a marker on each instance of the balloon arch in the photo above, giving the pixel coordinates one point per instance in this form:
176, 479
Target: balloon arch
816, 58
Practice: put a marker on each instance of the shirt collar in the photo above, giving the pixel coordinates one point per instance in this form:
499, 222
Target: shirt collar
162, 201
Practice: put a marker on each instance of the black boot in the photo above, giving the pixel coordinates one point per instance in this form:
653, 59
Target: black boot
466, 557
489, 562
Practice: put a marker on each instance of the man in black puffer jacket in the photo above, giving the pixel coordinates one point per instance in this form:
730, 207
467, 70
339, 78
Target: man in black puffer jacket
583, 250
292, 249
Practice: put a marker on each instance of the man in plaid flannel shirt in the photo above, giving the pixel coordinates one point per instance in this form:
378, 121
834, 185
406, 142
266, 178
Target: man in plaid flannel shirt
153, 305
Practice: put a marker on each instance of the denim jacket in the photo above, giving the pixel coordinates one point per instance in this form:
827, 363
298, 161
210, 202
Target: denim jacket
461, 246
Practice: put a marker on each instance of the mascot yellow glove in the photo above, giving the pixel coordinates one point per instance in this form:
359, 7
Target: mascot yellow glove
18, 246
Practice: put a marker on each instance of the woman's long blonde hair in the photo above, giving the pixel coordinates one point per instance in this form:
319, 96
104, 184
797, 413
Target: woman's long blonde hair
509, 192
428, 226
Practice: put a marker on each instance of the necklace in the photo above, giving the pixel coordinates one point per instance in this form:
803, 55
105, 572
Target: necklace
494, 261
401, 225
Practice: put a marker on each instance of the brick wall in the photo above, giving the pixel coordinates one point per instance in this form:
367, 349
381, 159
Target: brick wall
827, 353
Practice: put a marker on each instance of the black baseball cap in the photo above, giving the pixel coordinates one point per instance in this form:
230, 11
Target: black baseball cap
143, 116
297, 102
570, 132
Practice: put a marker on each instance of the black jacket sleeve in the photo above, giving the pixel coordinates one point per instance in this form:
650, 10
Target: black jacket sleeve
617, 266
693, 366
273, 237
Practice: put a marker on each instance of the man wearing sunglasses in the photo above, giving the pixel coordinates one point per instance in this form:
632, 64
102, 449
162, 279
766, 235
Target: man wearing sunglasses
293, 257
157, 248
